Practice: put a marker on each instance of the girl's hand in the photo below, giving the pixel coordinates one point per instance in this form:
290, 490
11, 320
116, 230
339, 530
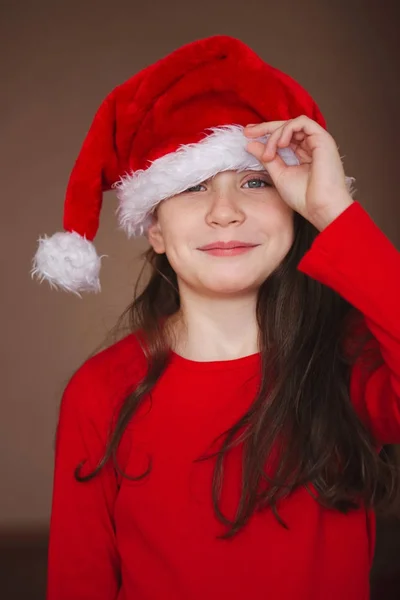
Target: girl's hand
316, 188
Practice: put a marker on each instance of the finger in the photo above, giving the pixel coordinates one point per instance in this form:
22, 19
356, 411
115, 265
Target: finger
286, 136
283, 137
256, 148
299, 136
274, 140
302, 127
305, 126
260, 129
270, 126
273, 164
275, 168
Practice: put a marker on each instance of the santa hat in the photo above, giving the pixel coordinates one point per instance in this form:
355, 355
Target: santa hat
169, 127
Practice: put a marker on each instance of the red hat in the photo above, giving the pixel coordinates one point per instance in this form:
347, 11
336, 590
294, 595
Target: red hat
169, 127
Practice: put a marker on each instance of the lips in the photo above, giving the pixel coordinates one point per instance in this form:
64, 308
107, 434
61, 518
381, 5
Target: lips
227, 245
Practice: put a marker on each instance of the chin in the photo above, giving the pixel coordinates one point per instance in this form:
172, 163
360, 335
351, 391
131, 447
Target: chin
231, 286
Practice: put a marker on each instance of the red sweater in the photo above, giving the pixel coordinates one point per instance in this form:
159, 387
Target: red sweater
155, 539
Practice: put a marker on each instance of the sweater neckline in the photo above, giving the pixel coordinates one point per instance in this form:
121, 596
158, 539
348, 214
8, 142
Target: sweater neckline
215, 365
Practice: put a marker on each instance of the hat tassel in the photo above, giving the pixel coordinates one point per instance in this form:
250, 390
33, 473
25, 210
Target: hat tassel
68, 261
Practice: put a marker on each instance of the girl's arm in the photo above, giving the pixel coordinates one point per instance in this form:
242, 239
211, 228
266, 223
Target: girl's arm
83, 561
354, 257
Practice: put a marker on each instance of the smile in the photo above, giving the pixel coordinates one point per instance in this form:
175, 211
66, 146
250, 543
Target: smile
228, 251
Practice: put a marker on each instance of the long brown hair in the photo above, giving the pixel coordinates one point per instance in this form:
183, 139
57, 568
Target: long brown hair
303, 326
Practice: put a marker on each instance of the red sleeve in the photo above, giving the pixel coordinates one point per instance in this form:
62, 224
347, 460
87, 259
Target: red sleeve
354, 257
83, 561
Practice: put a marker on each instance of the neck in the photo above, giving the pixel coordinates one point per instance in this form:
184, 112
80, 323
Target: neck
207, 329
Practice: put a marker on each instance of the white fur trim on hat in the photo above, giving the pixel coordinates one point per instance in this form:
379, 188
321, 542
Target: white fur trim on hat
68, 261
222, 150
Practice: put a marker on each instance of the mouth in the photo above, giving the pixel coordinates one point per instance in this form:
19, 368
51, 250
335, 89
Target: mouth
227, 245
227, 248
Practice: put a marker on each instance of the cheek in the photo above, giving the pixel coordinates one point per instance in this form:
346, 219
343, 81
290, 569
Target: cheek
177, 245
175, 218
276, 218
276, 226
178, 221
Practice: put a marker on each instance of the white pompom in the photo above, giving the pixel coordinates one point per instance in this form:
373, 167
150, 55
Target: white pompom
67, 261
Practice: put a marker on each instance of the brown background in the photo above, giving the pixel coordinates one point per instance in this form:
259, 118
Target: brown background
60, 59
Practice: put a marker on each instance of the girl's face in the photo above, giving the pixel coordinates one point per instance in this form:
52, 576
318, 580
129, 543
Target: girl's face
231, 206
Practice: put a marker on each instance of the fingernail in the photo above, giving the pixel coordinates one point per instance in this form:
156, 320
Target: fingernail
251, 125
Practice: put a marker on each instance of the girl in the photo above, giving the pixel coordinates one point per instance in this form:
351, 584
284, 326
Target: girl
231, 445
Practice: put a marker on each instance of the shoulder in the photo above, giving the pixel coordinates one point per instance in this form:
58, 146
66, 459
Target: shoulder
107, 377
120, 361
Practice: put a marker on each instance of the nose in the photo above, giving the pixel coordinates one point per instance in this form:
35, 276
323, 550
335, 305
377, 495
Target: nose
224, 209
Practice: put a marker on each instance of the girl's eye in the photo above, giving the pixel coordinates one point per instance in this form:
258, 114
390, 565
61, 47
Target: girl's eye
258, 181
194, 188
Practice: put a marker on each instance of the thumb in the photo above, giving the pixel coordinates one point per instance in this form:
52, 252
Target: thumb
275, 167
256, 148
